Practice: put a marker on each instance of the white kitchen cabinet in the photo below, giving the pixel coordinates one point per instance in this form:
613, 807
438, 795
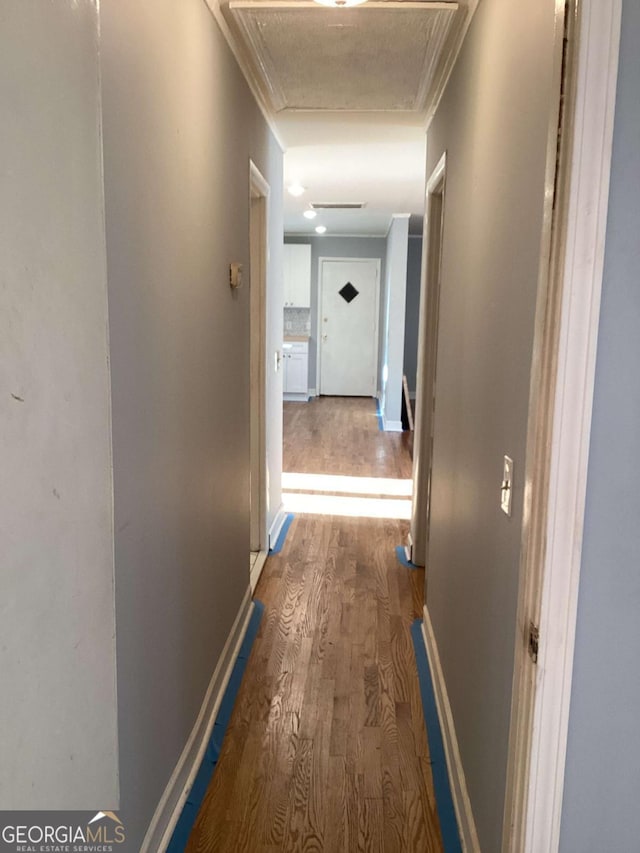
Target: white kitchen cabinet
297, 275
295, 361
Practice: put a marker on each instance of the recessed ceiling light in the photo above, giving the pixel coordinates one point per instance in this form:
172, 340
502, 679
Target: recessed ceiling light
296, 189
320, 229
310, 214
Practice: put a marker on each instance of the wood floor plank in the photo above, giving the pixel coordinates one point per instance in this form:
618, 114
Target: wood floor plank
370, 825
326, 749
277, 795
336, 818
371, 762
392, 803
304, 828
417, 835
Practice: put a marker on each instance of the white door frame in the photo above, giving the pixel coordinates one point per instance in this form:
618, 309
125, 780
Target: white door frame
427, 354
258, 236
376, 356
559, 432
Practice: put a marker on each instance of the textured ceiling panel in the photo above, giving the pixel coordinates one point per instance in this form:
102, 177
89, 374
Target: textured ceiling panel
367, 58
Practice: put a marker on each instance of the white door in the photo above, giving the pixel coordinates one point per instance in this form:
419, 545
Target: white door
348, 324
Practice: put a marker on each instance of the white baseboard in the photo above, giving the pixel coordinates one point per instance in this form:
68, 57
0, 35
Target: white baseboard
387, 426
295, 398
461, 802
408, 548
276, 526
313, 392
256, 569
175, 794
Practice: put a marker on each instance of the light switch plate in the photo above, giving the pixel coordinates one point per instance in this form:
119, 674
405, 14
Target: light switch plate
506, 489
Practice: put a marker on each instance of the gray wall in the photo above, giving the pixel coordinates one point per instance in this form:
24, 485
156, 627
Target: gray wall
412, 311
600, 808
492, 121
57, 657
335, 247
179, 128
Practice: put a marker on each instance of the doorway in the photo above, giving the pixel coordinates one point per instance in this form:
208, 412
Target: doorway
348, 309
258, 232
427, 358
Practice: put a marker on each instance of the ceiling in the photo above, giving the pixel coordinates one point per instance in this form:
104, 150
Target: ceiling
349, 93
356, 158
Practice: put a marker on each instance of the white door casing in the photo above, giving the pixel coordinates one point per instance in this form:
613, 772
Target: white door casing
427, 354
553, 542
258, 234
348, 330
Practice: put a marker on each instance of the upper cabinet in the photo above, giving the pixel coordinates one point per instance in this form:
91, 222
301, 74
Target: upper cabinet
297, 275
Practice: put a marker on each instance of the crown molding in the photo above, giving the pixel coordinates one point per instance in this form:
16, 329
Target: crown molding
245, 65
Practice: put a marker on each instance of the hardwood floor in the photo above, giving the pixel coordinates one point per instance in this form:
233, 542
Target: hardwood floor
339, 435
326, 749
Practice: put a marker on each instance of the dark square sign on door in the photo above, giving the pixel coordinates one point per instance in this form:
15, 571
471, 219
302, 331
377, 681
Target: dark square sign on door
348, 292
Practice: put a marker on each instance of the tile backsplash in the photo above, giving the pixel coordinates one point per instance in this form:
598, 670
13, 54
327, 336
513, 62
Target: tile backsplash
297, 321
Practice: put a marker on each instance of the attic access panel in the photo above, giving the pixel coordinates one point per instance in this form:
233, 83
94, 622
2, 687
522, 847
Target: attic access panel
367, 58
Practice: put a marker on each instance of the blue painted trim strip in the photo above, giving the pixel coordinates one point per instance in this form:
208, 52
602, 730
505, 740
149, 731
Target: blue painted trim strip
190, 809
379, 416
282, 535
401, 554
444, 800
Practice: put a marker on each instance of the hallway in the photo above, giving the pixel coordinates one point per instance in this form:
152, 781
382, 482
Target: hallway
155, 157
326, 748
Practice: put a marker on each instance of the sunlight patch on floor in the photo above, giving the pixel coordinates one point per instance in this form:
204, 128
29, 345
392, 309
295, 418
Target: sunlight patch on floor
337, 483
355, 507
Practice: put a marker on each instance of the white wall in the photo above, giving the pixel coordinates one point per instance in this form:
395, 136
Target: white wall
58, 743
493, 122
394, 296
180, 126
602, 777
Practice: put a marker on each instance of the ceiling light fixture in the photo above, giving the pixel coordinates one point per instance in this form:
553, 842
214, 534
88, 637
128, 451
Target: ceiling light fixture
309, 214
320, 229
340, 4
296, 189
